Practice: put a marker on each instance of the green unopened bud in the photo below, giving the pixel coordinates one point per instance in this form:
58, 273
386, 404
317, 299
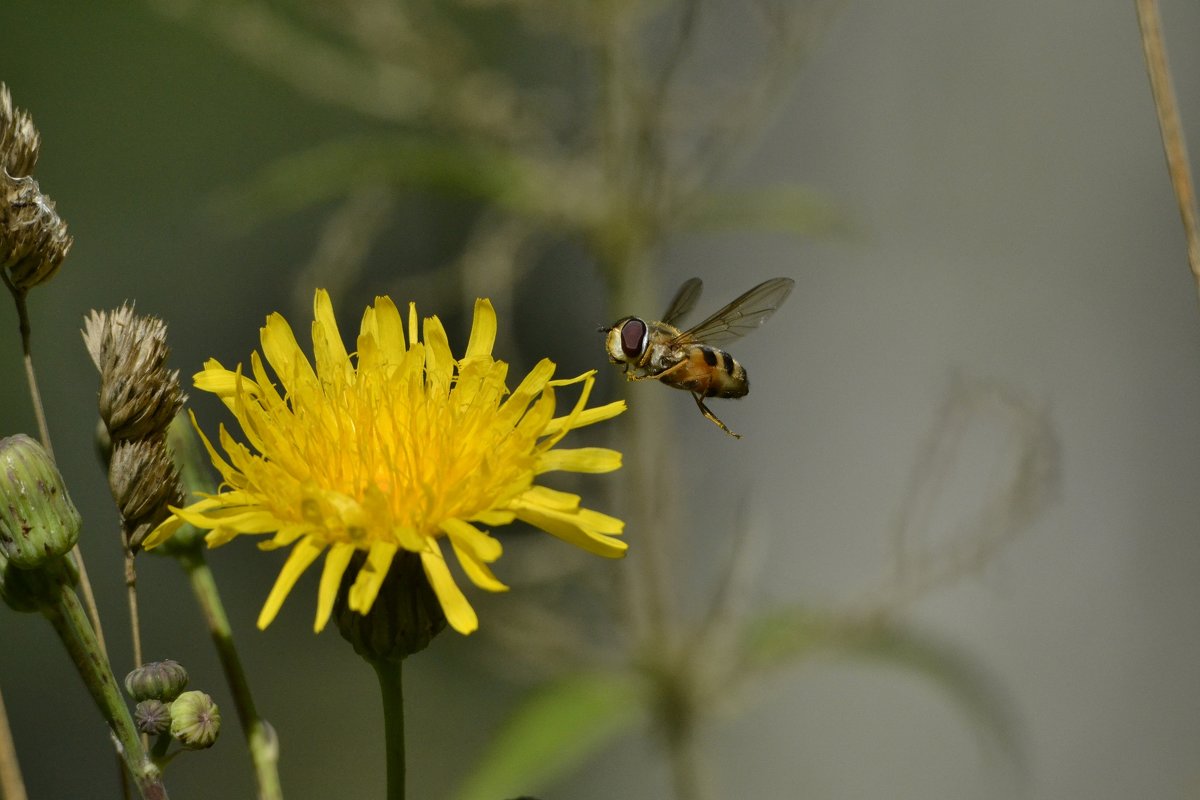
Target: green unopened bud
195, 720
152, 717
38, 521
158, 680
403, 619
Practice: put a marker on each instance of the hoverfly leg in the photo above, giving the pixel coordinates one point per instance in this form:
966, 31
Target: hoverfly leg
713, 417
658, 375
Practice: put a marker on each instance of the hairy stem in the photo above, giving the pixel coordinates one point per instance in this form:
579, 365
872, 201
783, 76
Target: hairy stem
71, 625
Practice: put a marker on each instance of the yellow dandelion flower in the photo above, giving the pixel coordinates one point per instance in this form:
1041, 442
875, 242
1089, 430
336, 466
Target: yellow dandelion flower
399, 447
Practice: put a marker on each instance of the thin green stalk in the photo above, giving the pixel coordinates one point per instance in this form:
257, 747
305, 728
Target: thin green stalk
389, 674
12, 786
71, 624
39, 412
135, 625
260, 737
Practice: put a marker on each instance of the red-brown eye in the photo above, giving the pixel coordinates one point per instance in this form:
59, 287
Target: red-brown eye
633, 337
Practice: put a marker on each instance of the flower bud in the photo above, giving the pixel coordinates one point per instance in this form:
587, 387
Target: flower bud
195, 720
403, 619
38, 521
152, 717
158, 680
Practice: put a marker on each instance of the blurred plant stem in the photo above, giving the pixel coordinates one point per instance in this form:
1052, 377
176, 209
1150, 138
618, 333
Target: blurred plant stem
260, 738
12, 785
389, 672
1171, 127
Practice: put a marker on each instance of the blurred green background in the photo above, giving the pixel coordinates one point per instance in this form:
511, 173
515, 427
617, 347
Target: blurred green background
998, 209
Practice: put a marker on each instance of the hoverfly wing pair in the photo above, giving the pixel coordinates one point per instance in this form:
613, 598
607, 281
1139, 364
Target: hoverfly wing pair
687, 359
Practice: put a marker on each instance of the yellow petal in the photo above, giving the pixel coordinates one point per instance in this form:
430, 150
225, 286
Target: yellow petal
412, 324
165, 530
580, 459
390, 330
494, 517
439, 362
550, 498
529, 388
215, 379
336, 562
477, 571
458, 611
329, 351
371, 576
283, 353
483, 330
302, 555
466, 536
586, 417
572, 528
568, 422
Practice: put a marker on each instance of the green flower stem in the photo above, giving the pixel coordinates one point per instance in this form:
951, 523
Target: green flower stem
260, 738
388, 672
69, 621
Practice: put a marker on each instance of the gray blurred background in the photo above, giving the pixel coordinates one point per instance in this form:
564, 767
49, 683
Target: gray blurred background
1010, 221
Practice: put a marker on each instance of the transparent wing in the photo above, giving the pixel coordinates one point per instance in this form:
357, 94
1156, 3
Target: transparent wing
685, 298
742, 315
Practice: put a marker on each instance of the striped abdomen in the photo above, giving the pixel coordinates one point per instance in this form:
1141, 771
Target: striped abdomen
710, 372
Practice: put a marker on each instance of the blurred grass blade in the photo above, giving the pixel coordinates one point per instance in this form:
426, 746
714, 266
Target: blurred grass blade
534, 187
558, 727
785, 636
786, 208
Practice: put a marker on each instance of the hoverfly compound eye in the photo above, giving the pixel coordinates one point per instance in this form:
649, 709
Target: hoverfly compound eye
633, 338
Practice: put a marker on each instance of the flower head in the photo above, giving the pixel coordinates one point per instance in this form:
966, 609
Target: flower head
400, 447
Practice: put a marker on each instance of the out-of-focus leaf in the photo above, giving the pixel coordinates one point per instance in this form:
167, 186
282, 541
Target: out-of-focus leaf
541, 188
774, 209
782, 637
554, 730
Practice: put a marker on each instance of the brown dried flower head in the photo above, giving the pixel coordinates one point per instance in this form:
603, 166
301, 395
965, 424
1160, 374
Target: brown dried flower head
33, 238
139, 396
19, 139
144, 481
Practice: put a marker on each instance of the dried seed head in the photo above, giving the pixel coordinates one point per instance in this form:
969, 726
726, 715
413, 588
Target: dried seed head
144, 481
33, 238
19, 140
139, 396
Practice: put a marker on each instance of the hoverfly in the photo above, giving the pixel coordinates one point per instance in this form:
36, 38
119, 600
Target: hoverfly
687, 360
